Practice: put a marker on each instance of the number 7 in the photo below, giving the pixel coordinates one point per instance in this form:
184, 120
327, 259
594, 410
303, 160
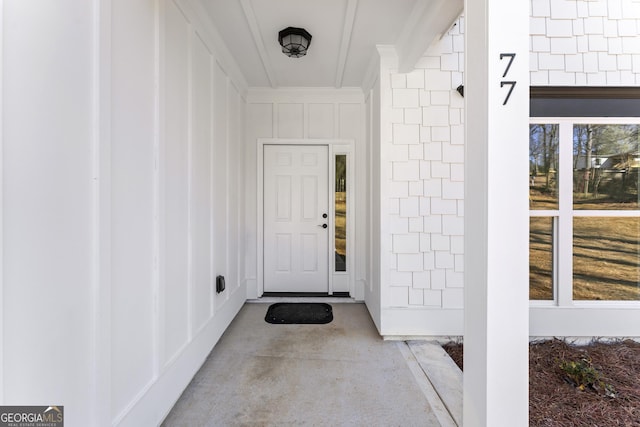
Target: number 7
512, 84
511, 58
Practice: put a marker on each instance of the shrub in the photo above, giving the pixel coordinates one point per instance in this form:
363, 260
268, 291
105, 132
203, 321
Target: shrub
582, 374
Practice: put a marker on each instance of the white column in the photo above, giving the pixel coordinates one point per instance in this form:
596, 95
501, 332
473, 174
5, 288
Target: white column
50, 285
496, 220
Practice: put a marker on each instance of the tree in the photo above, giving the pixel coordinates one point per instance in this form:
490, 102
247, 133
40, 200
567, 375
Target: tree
543, 150
593, 144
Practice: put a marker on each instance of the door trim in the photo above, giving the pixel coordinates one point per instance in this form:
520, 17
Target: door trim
336, 146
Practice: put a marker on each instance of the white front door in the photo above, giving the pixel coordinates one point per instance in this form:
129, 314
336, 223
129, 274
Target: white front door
296, 218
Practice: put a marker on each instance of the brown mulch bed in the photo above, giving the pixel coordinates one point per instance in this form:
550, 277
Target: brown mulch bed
555, 400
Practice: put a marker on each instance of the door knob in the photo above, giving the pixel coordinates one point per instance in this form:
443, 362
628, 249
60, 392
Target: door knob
323, 225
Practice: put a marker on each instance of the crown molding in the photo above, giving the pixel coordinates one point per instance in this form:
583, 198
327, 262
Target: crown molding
305, 95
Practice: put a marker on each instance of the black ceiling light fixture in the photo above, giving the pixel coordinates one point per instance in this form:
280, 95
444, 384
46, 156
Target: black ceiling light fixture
294, 41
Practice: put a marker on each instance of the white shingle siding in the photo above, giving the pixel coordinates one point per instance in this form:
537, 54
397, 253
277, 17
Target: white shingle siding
454, 279
540, 8
415, 80
398, 296
591, 43
409, 207
432, 298
398, 81
432, 188
452, 298
573, 42
438, 279
452, 225
416, 296
405, 98
421, 280
413, 116
416, 188
433, 218
432, 224
564, 10
406, 133
440, 242
416, 225
459, 261
410, 262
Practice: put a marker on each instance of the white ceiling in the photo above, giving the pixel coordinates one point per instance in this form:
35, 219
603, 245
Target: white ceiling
344, 33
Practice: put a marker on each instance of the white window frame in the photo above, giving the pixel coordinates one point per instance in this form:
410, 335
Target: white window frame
563, 216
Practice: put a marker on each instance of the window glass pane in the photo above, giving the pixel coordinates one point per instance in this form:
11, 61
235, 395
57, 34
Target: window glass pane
543, 166
541, 258
341, 212
606, 258
605, 166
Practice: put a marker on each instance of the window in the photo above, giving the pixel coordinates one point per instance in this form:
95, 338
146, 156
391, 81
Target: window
584, 209
341, 213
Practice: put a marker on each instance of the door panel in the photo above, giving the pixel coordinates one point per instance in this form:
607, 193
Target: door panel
296, 246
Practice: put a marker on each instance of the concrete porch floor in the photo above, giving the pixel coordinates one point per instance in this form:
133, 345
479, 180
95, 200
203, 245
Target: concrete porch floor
341, 373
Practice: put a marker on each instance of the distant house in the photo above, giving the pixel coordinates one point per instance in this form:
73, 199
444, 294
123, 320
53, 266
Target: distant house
612, 162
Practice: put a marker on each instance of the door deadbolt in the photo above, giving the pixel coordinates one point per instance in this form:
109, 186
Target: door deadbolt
324, 215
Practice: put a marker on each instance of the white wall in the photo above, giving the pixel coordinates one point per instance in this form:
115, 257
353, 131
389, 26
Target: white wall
297, 115
372, 294
422, 191
192, 170
585, 43
132, 229
48, 212
121, 156
573, 42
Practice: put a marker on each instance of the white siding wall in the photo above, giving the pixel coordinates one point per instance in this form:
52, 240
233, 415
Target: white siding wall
423, 205
590, 43
585, 43
297, 115
132, 203
572, 43
119, 168
372, 294
192, 169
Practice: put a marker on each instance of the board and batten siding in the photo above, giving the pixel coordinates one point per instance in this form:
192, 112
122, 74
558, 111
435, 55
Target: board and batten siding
120, 166
296, 115
193, 169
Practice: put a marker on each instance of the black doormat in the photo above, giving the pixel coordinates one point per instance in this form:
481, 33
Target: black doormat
299, 313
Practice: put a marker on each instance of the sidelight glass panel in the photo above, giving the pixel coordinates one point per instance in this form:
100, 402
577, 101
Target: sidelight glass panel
541, 258
606, 258
341, 213
606, 160
543, 166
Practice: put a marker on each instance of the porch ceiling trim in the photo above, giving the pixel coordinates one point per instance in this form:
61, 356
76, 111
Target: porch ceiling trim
347, 30
250, 15
199, 18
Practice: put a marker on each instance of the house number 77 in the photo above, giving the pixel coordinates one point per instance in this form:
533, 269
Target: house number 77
510, 83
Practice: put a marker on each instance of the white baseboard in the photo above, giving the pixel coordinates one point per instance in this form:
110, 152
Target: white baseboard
154, 405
